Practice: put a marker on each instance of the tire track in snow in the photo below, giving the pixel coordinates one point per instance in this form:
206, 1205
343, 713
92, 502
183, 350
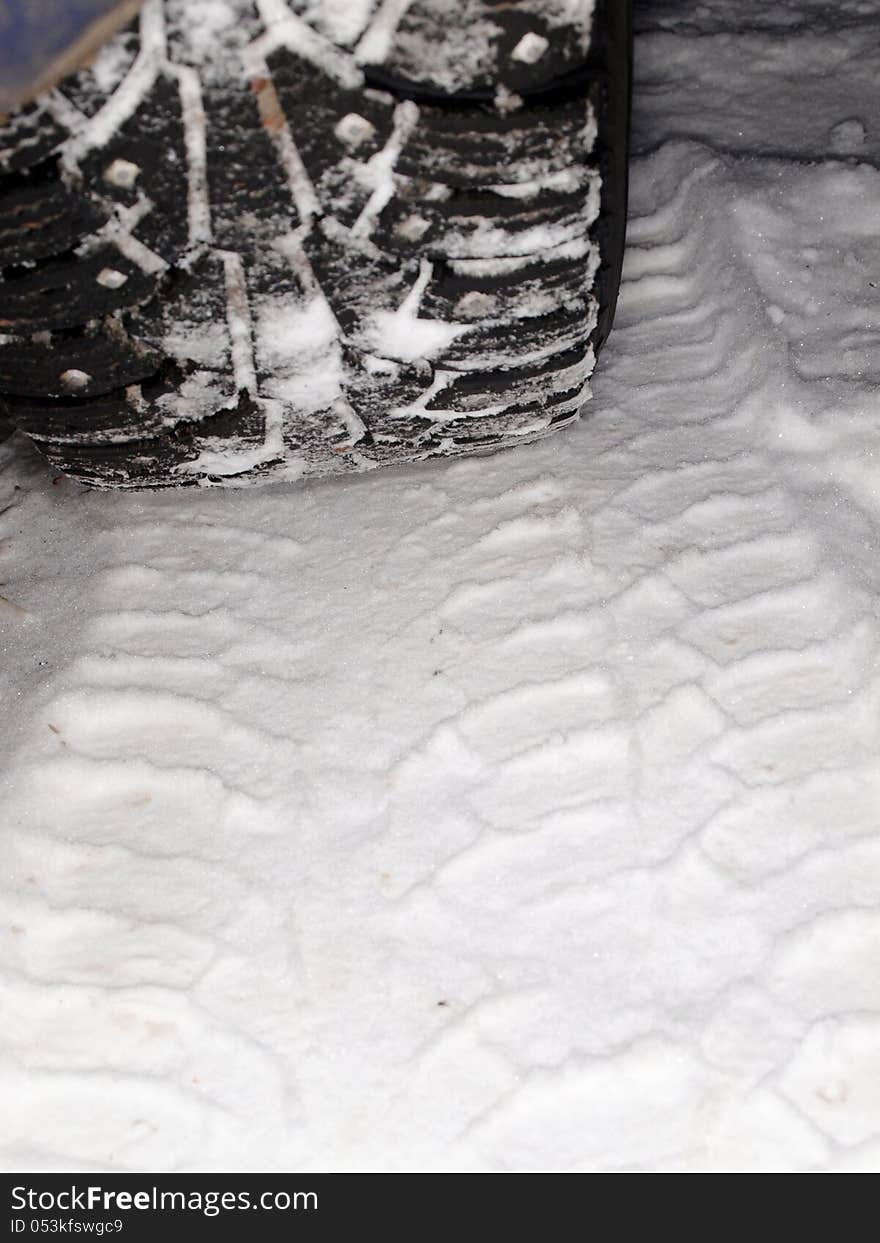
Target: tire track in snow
147, 939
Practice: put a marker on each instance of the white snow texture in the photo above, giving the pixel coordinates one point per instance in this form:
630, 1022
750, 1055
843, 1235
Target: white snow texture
513, 813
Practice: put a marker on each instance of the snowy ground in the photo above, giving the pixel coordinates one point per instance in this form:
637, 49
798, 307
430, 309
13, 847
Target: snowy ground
515, 813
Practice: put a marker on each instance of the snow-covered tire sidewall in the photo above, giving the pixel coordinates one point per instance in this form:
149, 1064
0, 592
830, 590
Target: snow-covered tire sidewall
265, 240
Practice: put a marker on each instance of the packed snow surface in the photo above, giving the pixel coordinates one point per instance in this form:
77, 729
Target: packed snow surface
515, 813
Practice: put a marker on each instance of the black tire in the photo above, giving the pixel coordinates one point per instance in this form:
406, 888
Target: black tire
255, 251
